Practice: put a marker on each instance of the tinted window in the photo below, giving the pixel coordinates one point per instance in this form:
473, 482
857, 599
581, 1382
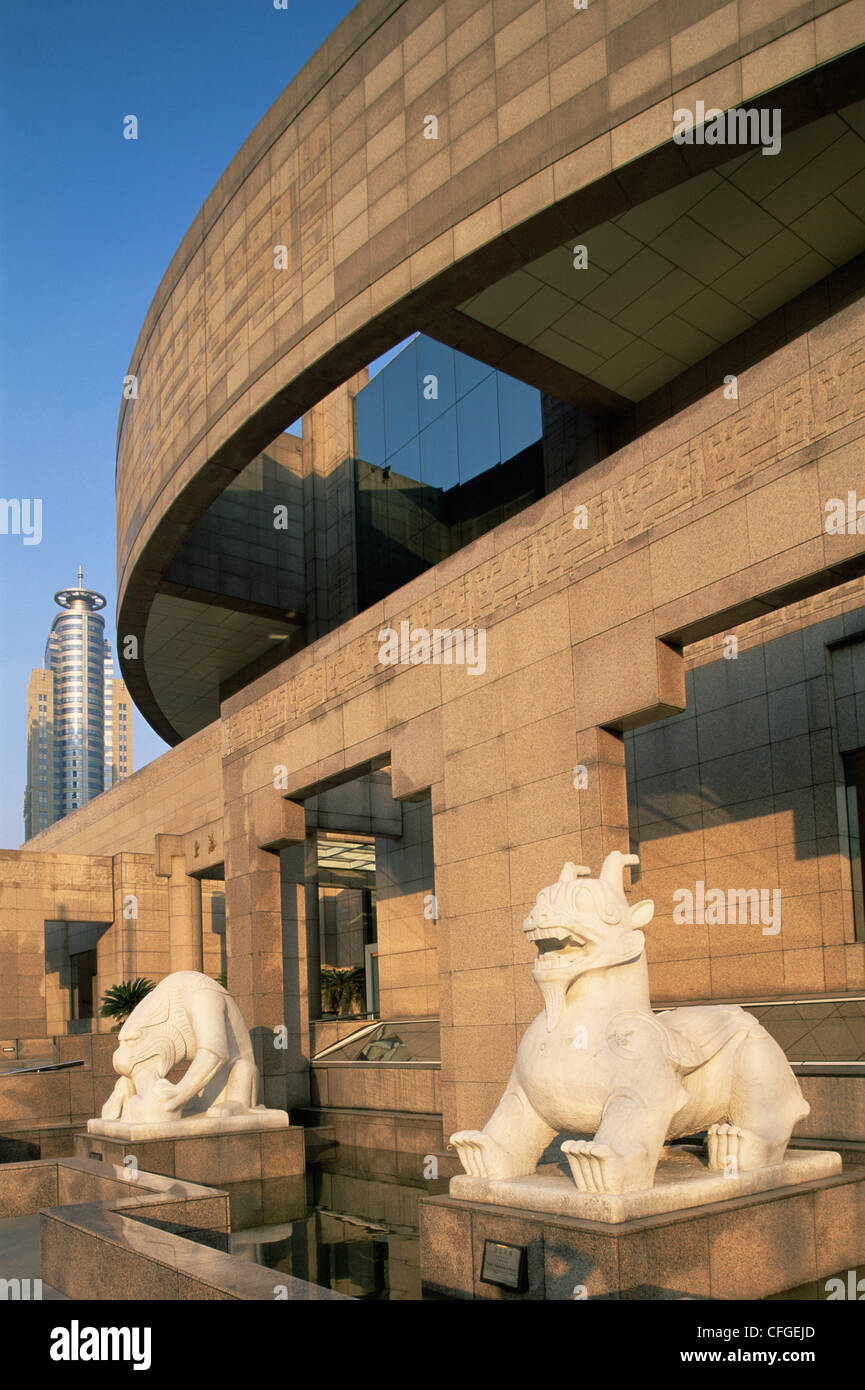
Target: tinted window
401, 390
370, 423
477, 427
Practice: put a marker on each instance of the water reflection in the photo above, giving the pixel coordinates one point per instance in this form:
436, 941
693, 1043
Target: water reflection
351, 1225
357, 1232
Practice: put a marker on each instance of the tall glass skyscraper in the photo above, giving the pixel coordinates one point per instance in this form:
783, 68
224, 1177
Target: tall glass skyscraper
79, 715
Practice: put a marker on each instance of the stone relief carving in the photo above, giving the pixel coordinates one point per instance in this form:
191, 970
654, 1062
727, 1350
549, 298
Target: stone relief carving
599, 1062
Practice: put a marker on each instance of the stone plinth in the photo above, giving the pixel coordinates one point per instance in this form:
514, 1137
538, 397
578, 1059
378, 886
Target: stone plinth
745, 1248
682, 1180
215, 1157
189, 1126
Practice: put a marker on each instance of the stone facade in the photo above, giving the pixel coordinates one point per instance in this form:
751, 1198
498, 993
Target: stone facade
609, 713
588, 662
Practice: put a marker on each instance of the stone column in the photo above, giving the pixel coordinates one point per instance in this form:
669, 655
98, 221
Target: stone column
265, 913
603, 801
184, 911
184, 904
299, 979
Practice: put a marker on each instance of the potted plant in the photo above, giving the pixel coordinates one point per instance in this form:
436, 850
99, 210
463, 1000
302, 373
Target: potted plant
355, 990
343, 989
331, 989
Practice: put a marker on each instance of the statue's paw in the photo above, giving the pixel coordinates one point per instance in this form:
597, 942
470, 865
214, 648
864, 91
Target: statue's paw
587, 1162
166, 1095
733, 1150
722, 1146
600, 1168
227, 1109
482, 1157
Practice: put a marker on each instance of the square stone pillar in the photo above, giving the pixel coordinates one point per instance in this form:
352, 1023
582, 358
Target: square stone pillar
604, 799
184, 904
265, 909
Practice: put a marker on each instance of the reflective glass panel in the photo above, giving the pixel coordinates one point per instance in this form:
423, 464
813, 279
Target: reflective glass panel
478, 430
401, 391
417, 1040
469, 373
404, 464
436, 369
370, 423
519, 415
439, 465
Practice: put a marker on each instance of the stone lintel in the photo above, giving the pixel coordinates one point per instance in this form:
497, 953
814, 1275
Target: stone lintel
204, 849
417, 757
166, 848
275, 823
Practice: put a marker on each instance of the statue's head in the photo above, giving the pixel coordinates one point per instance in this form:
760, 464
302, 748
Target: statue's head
580, 924
152, 1038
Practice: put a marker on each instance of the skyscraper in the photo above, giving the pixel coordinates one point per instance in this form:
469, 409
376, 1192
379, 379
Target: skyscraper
79, 714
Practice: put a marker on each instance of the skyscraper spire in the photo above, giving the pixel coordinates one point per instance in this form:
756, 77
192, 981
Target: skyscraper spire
79, 716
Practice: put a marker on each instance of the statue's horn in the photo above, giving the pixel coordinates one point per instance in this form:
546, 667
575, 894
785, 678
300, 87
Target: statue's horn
570, 871
611, 873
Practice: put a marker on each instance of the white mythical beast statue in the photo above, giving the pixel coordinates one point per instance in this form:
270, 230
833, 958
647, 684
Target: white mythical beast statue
599, 1061
187, 1017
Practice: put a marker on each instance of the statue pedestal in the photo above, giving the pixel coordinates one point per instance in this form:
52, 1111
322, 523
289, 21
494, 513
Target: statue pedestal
251, 1163
745, 1247
190, 1125
682, 1180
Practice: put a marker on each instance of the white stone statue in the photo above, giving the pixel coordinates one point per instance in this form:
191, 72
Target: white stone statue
598, 1061
187, 1017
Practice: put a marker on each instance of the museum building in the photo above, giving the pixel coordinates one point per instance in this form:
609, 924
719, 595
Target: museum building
579, 569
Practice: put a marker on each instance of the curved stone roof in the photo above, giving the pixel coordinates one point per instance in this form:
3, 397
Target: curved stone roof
548, 122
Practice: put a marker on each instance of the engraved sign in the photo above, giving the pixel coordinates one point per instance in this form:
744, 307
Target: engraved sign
504, 1265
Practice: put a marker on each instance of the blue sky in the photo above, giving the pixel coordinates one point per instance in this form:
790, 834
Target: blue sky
88, 224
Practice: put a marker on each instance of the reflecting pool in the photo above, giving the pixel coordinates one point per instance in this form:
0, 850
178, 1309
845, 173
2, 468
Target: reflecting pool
356, 1231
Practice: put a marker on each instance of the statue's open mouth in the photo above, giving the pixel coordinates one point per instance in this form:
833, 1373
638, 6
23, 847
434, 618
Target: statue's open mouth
558, 948
563, 954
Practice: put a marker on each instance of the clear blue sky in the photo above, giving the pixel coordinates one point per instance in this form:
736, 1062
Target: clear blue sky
88, 224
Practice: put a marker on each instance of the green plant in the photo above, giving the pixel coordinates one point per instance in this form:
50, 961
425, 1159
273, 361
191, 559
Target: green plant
222, 979
356, 985
341, 987
119, 1001
331, 988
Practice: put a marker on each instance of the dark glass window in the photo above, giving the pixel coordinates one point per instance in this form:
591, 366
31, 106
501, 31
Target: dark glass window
478, 430
401, 421
519, 415
436, 373
370, 423
469, 373
854, 777
439, 467
456, 448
